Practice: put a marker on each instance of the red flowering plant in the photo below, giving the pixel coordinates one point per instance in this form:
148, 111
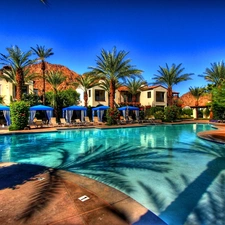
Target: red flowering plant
112, 116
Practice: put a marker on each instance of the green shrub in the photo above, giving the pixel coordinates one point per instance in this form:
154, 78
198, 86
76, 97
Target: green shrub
159, 115
187, 111
19, 112
112, 116
172, 113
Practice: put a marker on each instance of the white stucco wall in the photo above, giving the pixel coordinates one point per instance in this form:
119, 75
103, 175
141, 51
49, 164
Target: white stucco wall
7, 90
144, 100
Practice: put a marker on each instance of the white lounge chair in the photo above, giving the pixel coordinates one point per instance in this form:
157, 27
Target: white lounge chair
87, 121
53, 122
96, 121
63, 122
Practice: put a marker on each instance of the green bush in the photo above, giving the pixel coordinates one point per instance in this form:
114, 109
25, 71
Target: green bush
152, 110
172, 113
188, 112
218, 111
19, 112
112, 116
159, 115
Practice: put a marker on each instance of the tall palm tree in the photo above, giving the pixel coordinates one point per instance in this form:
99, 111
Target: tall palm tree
86, 81
105, 85
215, 74
55, 79
9, 75
196, 92
134, 87
170, 77
42, 54
17, 61
113, 66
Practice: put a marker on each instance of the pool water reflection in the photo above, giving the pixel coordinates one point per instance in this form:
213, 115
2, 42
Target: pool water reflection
166, 168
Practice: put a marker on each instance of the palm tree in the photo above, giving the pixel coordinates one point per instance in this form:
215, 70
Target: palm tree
105, 85
134, 86
55, 79
42, 54
17, 61
215, 74
86, 81
196, 92
113, 66
169, 77
9, 75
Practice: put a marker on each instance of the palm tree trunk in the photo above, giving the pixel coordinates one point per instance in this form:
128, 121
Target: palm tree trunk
134, 99
112, 94
85, 98
19, 80
43, 75
169, 96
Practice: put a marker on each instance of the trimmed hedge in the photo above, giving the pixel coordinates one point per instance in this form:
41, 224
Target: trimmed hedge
19, 113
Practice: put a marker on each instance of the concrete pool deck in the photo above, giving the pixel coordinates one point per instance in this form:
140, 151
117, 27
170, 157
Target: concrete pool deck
76, 200
99, 203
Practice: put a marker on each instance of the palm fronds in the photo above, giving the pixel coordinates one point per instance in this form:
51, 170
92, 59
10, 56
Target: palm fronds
46, 190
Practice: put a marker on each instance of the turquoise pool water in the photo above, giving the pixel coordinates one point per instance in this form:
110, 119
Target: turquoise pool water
166, 168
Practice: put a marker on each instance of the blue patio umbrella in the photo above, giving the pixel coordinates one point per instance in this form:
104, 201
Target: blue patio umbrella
6, 112
128, 108
68, 112
48, 109
40, 107
125, 109
3, 107
100, 111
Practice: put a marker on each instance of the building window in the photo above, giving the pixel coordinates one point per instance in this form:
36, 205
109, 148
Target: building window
25, 89
89, 93
35, 91
160, 96
149, 94
99, 95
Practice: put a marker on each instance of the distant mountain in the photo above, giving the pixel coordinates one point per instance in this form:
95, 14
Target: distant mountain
38, 83
188, 100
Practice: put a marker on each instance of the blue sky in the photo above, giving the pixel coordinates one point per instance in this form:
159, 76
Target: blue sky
153, 32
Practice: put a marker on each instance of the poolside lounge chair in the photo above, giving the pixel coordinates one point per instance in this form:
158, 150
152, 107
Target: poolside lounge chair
78, 122
38, 123
53, 122
150, 119
130, 119
122, 121
96, 121
87, 121
63, 122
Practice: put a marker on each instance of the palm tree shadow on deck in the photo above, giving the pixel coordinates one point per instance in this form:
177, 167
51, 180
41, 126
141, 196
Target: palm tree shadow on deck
17, 174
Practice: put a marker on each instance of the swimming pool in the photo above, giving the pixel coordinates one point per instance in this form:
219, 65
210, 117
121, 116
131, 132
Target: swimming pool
166, 168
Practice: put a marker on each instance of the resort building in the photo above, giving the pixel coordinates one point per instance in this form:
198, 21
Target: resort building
150, 96
8, 90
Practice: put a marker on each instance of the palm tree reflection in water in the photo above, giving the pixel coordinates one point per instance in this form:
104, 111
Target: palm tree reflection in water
202, 200
108, 165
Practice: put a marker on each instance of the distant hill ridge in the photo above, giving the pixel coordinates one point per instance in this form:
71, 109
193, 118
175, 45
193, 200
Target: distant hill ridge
38, 83
189, 100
